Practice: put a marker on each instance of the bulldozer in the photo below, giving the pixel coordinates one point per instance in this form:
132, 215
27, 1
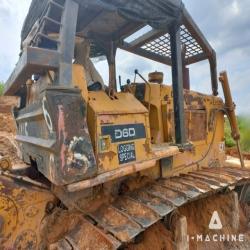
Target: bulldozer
112, 158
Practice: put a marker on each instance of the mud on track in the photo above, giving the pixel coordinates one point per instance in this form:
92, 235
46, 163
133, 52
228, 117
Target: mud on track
198, 215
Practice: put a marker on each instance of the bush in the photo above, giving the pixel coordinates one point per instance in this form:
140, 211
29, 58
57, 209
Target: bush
228, 138
1, 88
244, 126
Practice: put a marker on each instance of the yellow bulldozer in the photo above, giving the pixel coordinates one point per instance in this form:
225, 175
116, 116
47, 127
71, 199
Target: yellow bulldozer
107, 160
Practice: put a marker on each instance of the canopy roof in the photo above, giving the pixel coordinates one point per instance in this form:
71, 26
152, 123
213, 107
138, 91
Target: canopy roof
111, 15
115, 20
108, 24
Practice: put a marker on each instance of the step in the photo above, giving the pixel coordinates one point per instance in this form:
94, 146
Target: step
32, 61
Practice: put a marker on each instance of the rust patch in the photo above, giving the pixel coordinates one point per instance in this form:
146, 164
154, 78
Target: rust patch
191, 99
198, 126
26, 240
110, 155
147, 147
51, 227
139, 212
118, 224
106, 119
62, 135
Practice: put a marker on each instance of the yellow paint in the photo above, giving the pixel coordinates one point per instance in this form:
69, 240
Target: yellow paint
119, 110
186, 161
22, 210
156, 113
79, 80
23, 207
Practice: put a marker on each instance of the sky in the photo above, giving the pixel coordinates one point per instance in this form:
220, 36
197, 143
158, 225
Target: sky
225, 23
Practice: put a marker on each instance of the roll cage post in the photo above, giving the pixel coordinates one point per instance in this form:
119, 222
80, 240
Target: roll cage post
177, 81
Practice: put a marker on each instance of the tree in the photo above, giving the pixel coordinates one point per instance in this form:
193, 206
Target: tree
1, 88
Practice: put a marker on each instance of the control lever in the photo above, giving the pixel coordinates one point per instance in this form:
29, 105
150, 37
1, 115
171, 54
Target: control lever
137, 73
149, 98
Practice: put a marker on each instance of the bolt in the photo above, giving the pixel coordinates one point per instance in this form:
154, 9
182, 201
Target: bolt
50, 207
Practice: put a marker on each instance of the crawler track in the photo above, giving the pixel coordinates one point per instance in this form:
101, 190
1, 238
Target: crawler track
122, 221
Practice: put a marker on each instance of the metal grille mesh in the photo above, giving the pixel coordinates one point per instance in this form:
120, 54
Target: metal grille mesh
161, 45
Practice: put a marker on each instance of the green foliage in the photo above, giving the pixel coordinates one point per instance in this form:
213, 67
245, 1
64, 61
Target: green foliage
228, 138
1, 88
244, 126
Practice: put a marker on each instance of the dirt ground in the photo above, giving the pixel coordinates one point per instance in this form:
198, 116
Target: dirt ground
7, 124
8, 148
155, 238
198, 217
8, 145
233, 152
